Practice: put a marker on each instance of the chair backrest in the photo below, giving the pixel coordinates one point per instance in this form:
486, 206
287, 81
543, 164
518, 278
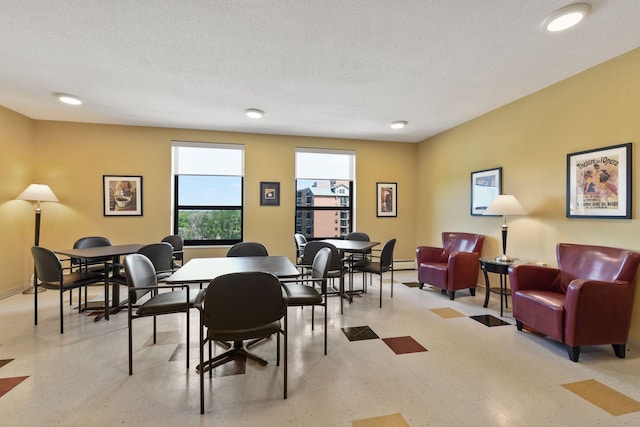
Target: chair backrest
176, 241
312, 248
320, 267
140, 272
357, 235
91, 242
160, 254
47, 263
248, 249
386, 256
244, 300
462, 242
300, 240
596, 263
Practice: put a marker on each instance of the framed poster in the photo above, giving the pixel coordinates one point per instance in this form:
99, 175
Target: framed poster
387, 199
122, 195
599, 183
269, 194
485, 186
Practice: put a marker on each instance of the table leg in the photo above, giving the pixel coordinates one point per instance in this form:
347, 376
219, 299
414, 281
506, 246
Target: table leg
487, 287
502, 292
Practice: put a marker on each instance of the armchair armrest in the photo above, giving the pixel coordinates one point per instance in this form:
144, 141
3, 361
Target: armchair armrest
601, 311
430, 254
534, 277
463, 263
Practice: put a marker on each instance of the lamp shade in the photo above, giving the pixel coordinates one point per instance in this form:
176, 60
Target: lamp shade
505, 204
38, 193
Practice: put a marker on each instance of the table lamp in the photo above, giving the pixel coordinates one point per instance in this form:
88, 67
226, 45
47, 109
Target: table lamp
37, 193
505, 204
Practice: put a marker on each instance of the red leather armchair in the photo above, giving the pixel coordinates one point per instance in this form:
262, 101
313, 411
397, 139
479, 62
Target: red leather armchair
452, 267
587, 300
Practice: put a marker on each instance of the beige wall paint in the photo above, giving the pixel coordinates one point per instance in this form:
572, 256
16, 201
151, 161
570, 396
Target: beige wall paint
16, 216
73, 157
530, 140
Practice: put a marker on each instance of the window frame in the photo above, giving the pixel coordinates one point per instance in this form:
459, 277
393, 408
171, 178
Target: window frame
176, 207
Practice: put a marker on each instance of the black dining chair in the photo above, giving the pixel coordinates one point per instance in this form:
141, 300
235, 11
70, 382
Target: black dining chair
100, 264
379, 265
177, 242
237, 307
248, 249
148, 302
300, 240
51, 274
337, 267
312, 294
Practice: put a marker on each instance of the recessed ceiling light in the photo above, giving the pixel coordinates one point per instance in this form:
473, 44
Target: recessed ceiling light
567, 17
254, 113
398, 124
69, 99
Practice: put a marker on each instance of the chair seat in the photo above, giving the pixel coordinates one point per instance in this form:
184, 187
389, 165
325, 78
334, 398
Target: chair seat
75, 279
244, 334
302, 295
543, 311
372, 267
167, 302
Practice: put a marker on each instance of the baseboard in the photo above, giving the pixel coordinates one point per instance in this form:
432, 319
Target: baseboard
6, 293
404, 264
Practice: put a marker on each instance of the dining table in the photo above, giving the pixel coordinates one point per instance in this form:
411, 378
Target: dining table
351, 247
203, 270
113, 252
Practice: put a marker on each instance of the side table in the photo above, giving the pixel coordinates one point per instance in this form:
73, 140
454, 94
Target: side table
490, 265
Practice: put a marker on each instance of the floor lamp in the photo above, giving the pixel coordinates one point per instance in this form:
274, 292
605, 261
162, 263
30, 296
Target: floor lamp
504, 204
37, 193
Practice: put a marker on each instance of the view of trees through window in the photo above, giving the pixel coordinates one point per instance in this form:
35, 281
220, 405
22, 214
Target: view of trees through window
208, 194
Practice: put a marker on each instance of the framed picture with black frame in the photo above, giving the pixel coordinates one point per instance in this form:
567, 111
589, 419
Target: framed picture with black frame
485, 186
122, 195
387, 199
269, 194
599, 182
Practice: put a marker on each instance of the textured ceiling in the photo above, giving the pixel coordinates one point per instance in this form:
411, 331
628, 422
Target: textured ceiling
329, 68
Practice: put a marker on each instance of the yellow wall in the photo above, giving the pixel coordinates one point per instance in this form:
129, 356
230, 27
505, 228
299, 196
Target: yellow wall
530, 139
16, 216
73, 157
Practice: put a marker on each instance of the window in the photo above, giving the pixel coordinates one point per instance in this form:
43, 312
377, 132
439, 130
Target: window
207, 192
324, 192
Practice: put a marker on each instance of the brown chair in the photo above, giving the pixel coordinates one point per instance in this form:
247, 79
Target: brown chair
587, 300
237, 307
379, 265
300, 295
50, 272
142, 282
452, 267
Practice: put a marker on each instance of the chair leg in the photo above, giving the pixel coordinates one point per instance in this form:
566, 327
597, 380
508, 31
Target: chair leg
201, 365
286, 352
61, 318
130, 344
391, 281
574, 353
325, 324
188, 330
620, 350
154, 329
380, 289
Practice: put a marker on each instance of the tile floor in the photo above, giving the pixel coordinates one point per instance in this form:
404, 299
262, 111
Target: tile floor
421, 360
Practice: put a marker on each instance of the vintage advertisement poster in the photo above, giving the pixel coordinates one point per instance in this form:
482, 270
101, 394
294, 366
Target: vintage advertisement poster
598, 182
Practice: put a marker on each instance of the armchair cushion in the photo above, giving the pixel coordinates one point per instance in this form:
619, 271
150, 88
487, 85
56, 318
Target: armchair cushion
587, 300
453, 266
